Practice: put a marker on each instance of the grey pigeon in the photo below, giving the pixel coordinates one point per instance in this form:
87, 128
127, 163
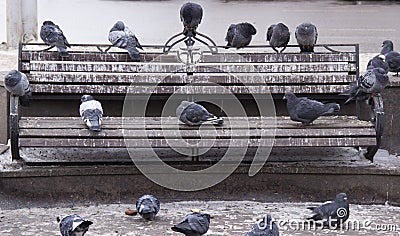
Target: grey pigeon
148, 207
306, 110
306, 36
378, 61
194, 224
17, 84
52, 35
278, 36
191, 15
266, 227
122, 37
332, 213
372, 82
91, 112
392, 57
74, 225
194, 114
240, 35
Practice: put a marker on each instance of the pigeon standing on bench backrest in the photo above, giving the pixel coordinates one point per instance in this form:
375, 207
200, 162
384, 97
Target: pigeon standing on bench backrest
332, 213
278, 36
52, 35
191, 15
74, 225
91, 112
122, 37
148, 206
306, 110
240, 35
265, 227
372, 82
378, 61
392, 58
194, 224
306, 35
17, 84
194, 114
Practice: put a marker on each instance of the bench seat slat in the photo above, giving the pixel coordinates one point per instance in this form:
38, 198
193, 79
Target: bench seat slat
183, 78
136, 67
192, 89
143, 143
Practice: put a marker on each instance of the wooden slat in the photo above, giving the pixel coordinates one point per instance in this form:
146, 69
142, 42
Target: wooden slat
192, 89
198, 134
143, 143
183, 78
136, 67
220, 57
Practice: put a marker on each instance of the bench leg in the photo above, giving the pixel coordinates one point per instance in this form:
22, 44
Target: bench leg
14, 127
378, 118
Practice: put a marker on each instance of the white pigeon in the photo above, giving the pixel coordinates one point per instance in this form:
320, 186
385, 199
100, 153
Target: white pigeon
91, 112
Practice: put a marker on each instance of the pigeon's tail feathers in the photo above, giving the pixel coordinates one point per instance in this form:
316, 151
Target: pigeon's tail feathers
24, 100
311, 208
63, 54
149, 216
58, 219
352, 93
178, 229
215, 120
315, 217
306, 48
94, 125
331, 108
134, 54
86, 224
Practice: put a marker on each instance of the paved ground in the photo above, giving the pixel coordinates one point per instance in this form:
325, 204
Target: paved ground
230, 218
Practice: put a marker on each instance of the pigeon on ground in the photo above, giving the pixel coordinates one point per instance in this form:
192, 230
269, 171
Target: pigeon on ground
265, 227
122, 37
148, 206
191, 15
306, 36
332, 213
306, 110
392, 57
278, 36
52, 35
378, 61
91, 112
17, 84
240, 35
74, 225
372, 82
194, 224
195, 114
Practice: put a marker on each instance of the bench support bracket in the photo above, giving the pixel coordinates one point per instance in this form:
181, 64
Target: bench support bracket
378, 118
14, 127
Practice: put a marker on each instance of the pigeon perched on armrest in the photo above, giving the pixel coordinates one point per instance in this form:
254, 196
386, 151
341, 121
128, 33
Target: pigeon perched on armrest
122, 37
191, 15
240, 35
52, 35
278, 36
392, 57
306, 35
17, 84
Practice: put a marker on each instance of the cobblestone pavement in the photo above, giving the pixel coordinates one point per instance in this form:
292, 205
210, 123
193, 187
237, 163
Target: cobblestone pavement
229, 218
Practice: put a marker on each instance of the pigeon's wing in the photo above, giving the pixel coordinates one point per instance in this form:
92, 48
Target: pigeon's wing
198, 223
393, 60
118, 39
132, 36
155, 203
196, 113
53, 35
230, 33
62, 36
66, 225
25, 85
366, 81
183, 227
316, 34
269, 32
309, 109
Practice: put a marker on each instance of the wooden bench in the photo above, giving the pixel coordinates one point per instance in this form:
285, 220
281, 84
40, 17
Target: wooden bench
113, 79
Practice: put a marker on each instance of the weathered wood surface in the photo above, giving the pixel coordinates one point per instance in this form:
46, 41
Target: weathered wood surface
192, 89
229, 67
183, 78
220, 57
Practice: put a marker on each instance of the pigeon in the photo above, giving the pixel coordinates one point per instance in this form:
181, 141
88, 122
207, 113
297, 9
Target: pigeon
122, 37
191, 15
306, 36
332, 213
278, 36
265, 227
17, 84
195, 114
91, 112
306, 110
74, 225
52, 35
148, 207
378, 61
240, 35
372, 82
194, 224
392, 57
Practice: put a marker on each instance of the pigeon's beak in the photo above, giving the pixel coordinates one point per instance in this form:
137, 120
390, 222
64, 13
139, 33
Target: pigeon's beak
345, 198
284, 97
